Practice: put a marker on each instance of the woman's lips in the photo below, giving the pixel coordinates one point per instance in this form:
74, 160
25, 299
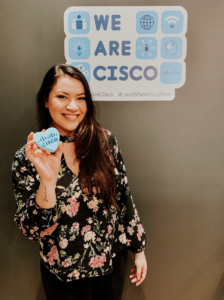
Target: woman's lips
71, 118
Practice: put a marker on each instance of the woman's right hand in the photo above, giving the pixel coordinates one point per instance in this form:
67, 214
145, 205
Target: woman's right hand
46, 164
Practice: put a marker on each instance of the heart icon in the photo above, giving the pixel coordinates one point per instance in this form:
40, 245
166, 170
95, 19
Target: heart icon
47, 140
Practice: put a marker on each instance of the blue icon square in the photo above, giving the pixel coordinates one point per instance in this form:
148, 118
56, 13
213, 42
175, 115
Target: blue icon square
146, 48
171, 48
79, 48
147, 22
83, 67
170, 73
172, 22
78, 22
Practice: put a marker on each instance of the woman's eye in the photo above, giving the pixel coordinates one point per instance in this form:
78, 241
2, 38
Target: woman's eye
61, 97
82, 98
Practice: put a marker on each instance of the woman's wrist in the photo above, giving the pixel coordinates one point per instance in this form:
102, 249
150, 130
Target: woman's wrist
46, 196
140, 255
48, 182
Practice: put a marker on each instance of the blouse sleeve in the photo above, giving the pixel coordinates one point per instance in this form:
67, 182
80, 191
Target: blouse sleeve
34, 222
131, 229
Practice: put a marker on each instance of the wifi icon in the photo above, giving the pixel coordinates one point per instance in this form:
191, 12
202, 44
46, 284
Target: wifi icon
172, 22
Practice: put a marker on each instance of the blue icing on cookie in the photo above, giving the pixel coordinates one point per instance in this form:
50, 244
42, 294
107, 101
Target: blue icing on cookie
47, 140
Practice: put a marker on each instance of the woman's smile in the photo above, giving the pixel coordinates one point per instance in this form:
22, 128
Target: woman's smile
70, 117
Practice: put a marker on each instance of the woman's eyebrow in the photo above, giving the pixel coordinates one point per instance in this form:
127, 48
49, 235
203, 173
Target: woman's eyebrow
62, 92
68, 93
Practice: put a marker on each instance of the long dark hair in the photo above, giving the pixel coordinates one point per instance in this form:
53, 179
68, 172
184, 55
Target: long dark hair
92, 148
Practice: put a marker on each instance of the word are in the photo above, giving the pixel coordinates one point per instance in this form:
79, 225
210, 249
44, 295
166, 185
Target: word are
113, 48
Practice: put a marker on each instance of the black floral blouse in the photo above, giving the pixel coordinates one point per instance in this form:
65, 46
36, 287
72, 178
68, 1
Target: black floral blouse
79, 236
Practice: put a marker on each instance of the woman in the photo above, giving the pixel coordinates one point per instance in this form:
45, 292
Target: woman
76, 202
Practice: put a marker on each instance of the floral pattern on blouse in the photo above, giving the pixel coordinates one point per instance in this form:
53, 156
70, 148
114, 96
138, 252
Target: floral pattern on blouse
79, 236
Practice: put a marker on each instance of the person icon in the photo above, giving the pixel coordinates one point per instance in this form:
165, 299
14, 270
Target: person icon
146, 48
79, 23
171, 48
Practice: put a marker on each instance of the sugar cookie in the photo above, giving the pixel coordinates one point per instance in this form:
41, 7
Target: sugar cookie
48, 140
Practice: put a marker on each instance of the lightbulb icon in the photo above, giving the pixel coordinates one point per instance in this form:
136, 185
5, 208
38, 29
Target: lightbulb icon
79, 48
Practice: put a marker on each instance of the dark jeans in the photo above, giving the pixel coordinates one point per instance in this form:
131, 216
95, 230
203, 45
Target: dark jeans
108, 287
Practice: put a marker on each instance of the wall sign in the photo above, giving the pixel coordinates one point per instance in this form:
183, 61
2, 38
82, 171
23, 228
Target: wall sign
128, 52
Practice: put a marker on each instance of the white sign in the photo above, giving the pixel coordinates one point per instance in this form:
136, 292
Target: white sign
128, 52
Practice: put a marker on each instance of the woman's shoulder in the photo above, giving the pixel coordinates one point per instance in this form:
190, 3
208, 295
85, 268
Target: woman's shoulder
110, 136
21, 164
20, 155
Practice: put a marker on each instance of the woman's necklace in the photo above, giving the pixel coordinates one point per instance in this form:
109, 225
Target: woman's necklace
68, 138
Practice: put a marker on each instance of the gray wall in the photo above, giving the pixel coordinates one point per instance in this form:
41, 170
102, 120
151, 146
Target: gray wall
173, 152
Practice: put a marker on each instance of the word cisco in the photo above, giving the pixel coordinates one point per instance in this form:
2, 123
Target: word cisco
48, 140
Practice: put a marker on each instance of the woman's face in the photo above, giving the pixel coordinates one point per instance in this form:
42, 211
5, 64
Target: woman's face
67, 104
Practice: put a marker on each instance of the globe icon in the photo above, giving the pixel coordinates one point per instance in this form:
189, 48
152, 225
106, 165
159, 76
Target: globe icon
147, 22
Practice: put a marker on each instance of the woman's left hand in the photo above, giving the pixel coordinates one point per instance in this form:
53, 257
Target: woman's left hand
140, 269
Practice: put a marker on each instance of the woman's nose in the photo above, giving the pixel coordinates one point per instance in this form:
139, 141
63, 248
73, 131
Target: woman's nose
73, 105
